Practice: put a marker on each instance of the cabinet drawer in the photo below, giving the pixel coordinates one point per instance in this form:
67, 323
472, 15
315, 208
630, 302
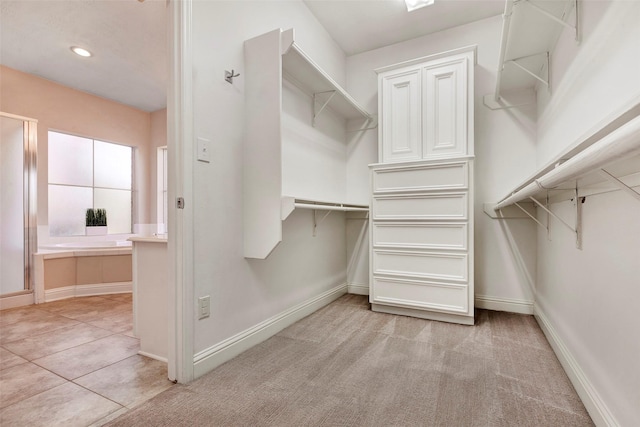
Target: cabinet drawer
445, 176
422, 235
430, 265
421, 206
421, 294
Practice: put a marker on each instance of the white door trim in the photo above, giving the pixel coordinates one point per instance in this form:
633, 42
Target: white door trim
180, 184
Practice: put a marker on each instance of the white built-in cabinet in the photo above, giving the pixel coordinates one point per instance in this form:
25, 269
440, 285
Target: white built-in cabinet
421, 221
426, 108
295, 151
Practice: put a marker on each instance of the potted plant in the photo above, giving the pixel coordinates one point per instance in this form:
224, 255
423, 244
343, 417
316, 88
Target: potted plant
96, 222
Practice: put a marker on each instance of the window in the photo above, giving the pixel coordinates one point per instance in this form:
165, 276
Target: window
86, 173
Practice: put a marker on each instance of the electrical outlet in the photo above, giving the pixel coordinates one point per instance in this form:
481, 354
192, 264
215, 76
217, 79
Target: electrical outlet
204, 307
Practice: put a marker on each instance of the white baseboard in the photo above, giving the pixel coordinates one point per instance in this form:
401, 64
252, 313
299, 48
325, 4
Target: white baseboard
212, 357
597, 409
423, 314
504, 304
87, 290
13, 301
358, 289
152, 356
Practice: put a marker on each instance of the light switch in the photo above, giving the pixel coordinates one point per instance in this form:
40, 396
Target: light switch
203, 150
204, 304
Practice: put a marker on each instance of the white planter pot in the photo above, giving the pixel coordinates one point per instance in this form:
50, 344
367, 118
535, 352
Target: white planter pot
96, 230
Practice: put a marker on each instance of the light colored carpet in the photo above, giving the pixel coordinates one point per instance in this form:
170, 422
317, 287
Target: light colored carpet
348, 366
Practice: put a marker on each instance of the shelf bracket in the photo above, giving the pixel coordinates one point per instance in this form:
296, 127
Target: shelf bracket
316, 113
316, 223
619, 184
531, 216
574, 27
578, 227
372, 121
545, 79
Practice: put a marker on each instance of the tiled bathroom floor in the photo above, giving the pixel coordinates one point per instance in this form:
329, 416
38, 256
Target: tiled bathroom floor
73, 362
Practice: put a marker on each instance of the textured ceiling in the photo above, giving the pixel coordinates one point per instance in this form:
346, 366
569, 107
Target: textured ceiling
128, 38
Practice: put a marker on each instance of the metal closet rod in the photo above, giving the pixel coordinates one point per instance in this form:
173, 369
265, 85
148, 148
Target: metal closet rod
321, 207
621, 143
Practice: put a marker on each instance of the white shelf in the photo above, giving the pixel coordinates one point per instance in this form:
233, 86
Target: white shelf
611, 163
618, 152
289, 204
301, 70
530, 32
285, 154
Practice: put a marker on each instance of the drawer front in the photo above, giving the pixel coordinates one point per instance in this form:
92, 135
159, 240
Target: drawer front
429, 265
446, 176
423, 235
421, 294
445, 206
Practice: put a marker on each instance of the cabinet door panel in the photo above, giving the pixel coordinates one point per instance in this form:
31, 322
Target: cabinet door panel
401, 112
445, 109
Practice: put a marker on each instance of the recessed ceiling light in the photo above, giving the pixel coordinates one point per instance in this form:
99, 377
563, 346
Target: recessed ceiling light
417, 4
80, 51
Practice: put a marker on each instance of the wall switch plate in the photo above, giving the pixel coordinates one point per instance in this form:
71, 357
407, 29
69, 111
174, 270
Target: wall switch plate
204, 307
203, 150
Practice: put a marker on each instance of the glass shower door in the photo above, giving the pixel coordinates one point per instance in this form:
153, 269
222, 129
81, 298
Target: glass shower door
17, 203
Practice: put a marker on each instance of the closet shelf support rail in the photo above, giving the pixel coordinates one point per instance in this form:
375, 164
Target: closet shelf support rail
316, 112
544, 80
320, 207
619, 184
617, 145
531, 216
577, 230
554, 18
316, 223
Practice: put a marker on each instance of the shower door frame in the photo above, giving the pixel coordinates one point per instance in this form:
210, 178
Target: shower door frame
29, 209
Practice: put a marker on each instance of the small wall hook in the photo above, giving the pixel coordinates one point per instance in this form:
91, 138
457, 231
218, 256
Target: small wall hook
229, 75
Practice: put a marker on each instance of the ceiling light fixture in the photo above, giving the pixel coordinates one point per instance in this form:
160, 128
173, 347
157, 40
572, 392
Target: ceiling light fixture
80, 51
417, 4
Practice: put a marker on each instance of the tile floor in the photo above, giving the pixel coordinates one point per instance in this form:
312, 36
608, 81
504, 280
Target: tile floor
73, 362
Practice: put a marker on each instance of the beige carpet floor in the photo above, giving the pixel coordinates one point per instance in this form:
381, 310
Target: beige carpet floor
348, 366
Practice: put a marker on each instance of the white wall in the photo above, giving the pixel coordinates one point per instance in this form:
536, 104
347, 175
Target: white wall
504, 148
247, 292
590, 296
591, 81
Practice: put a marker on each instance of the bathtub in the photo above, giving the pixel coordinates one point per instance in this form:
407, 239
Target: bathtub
77, 268
89, 245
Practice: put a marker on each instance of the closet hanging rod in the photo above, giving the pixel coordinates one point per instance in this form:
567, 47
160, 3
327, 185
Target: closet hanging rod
330, 207
621, 143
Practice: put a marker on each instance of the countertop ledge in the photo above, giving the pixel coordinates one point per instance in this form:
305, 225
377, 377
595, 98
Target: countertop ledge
68, 253
148, 239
